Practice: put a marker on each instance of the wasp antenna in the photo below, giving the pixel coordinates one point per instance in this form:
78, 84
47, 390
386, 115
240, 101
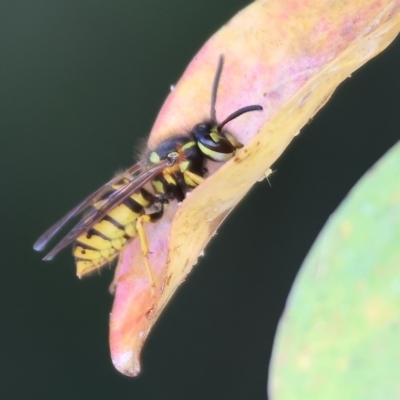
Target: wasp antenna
213, 112
237, 113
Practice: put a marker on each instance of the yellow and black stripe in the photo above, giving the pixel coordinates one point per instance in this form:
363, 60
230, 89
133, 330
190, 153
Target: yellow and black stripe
109, 236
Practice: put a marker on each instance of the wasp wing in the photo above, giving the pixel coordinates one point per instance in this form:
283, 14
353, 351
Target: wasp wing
44, 239
96, 214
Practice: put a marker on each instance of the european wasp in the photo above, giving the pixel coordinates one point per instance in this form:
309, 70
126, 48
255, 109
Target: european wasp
116, 213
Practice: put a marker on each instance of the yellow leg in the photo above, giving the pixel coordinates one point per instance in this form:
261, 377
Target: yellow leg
144, 245
197, 179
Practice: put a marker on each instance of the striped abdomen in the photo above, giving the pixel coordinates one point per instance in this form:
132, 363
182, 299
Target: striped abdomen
109, 236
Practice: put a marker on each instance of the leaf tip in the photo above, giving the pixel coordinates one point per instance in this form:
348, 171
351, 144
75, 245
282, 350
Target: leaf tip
127, 363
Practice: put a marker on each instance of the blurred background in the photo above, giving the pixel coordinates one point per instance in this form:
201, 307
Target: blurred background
81, 84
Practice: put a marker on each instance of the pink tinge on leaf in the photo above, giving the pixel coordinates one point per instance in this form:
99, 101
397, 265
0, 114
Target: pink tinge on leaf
134, 307
287, 56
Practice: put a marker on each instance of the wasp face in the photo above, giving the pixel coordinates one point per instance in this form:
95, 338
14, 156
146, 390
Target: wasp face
214, 143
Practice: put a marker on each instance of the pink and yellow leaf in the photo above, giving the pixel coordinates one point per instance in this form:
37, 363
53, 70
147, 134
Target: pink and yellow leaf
289, 57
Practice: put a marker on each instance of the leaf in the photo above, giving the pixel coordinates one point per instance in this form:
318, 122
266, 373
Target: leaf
339, 335
288, 56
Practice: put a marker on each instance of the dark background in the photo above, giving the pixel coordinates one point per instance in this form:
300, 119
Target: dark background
81, 83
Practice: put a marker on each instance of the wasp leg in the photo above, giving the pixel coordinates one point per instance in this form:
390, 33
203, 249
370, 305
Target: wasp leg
192, 179
144, 244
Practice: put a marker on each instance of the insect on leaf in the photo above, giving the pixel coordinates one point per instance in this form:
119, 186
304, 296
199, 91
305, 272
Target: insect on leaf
287, 56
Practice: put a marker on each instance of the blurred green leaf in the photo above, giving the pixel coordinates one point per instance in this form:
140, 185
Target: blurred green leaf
339, 337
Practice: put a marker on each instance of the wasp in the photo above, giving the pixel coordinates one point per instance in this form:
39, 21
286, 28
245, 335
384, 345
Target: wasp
117, 212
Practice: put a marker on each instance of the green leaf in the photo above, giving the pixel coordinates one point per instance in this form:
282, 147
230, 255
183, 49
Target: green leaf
339, 337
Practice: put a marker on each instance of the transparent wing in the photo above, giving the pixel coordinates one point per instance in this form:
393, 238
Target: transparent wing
44, 239
94, 215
